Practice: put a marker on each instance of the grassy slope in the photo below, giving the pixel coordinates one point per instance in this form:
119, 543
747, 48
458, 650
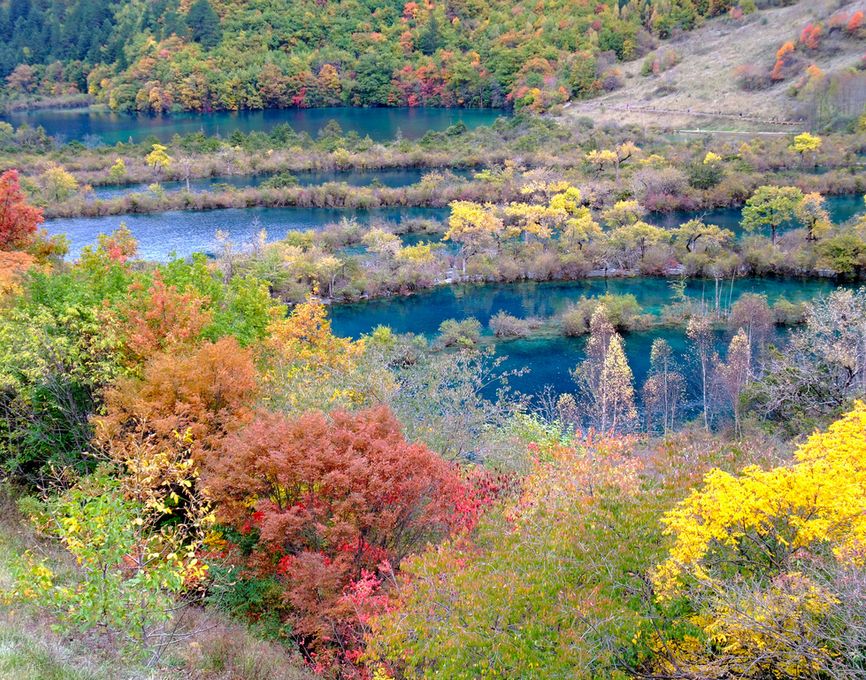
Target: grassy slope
28, 646
704, 79
31, 650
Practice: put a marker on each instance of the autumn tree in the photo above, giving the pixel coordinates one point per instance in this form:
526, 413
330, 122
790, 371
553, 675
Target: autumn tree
159, 428
308, 367
806, 143
18, 220
581, 231
615, 157
117, 172
119, 246
474, 226
771, 207
605, 378
322, 503
623, 214
823, 366
700, 332
160, 318
759, 561
631, 242
599, 158
752, 313
664, 389
813, 215
734, 374
694, 234
13, 266
57, 183
158, 158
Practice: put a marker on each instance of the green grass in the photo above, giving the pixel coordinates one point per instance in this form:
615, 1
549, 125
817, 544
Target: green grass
26, 655
30, 649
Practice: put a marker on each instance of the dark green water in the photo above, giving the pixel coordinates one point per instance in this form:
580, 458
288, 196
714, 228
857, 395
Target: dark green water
549, 359
379, 123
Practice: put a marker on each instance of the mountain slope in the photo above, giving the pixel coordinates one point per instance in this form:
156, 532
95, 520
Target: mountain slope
232, 54
702, 89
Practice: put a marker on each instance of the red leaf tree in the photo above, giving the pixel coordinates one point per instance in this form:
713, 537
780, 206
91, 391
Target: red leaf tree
18, 219
329, 501
162, 319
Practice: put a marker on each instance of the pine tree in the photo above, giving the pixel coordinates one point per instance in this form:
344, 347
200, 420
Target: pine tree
204, 24
428, 41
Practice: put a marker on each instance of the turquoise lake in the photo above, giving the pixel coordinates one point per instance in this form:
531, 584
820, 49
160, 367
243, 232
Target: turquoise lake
841, 209
549, 359
379, 123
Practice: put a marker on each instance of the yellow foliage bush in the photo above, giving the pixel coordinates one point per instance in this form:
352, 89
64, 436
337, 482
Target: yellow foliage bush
750, 552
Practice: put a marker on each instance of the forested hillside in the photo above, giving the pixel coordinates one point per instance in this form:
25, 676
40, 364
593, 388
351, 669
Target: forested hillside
225, 54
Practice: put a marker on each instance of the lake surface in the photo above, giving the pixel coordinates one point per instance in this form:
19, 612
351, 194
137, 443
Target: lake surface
186, 232
379, 123
549, 359
841, 209
387, 177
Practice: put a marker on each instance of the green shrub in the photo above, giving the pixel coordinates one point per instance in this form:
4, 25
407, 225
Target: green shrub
623, 311
453, 333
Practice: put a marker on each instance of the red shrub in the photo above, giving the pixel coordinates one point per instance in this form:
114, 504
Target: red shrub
810, 36
18, 219
331, 502
784, 56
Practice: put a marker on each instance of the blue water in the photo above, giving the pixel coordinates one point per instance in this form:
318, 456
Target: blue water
550, 358
841, 209
379, 123
185, 232
388, 177
424, 311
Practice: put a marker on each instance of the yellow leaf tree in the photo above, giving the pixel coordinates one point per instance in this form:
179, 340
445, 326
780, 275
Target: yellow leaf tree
474, 226
753, 556
158, 158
